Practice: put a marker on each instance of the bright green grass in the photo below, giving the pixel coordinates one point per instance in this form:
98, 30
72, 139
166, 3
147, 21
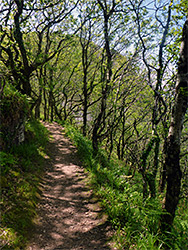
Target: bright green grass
20, 175
136, 221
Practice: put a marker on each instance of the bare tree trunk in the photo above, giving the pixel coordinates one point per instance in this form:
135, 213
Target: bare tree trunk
38, 103
39, 99
162, 181
85, 42
172, 158
51, 106
45, 104
106, 78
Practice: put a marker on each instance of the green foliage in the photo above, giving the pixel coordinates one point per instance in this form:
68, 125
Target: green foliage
14, 109
12, 102
180, 230
84, 146
20, 176
136, 220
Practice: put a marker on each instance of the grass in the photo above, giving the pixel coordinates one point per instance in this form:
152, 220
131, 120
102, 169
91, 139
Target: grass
21, 169
136, 220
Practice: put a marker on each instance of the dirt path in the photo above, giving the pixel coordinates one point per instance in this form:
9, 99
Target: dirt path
68, 216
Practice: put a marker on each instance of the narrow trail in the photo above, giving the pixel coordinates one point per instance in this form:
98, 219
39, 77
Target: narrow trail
68, 215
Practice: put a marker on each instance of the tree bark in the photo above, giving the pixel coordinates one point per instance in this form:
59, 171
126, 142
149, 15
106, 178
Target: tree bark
172, 158
26, 71
38, 103
106, 79
45, 104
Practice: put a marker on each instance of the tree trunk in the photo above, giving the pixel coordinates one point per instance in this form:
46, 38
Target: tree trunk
38, 103
172, 158
85, 102
26, 71
162, 181
105, 77
51, 106
85, 117
45, 104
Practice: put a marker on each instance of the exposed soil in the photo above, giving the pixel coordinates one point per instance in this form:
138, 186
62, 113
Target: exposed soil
69, 216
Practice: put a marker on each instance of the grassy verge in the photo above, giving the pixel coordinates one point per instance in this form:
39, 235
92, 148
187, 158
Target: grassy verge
20, 175
136, 221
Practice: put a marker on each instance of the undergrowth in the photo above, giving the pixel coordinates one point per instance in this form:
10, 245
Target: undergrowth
136, 221
21, 168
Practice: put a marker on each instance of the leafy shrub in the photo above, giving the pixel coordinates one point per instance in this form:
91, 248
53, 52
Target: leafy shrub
14, 109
